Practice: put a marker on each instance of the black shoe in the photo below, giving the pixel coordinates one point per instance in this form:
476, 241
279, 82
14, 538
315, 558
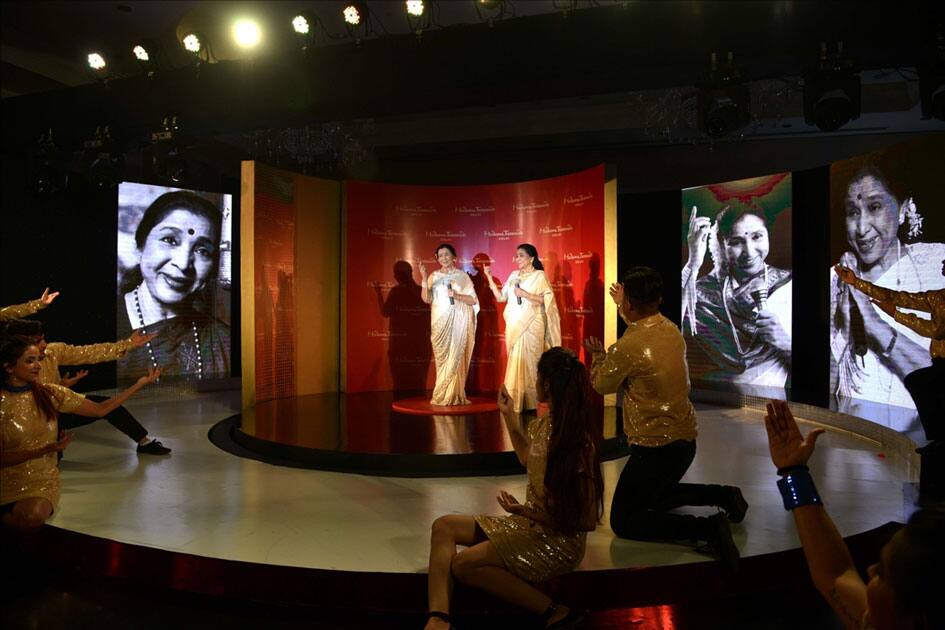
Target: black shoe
735, 506
719, 536
154, 447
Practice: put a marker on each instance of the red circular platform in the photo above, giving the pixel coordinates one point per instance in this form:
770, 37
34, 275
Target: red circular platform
420, 406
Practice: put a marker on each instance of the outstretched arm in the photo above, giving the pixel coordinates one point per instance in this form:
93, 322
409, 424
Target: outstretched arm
18, 311
92, 409
513, 424
828, 559
97, 352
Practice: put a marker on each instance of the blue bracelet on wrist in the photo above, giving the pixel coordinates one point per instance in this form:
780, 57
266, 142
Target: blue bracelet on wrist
797, 488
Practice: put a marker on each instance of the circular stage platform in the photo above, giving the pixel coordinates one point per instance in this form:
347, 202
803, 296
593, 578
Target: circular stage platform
420, 406
367, 434
205, 521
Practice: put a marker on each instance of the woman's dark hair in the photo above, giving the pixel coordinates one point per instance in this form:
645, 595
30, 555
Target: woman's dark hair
529, 249
11, 349
436, 252
573, 470
914, 567
22, 327
178, 200
643, 287
160, 208
870, 169
730, 214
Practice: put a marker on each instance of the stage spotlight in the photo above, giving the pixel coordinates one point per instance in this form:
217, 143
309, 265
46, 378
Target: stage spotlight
302, 25
141, 53
724, 100
414, 7
96, 61
491, 4
192, 43
354, 13
246, 33
832, 92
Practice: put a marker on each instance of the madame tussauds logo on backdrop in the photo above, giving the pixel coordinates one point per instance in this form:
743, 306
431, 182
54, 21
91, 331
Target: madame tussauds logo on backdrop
497, 335
530, 208
558, 230
381, 284
562, 284
385, 234
579, 257
580, 311
473, 211
415, 210
384, 334
445, 235
504, 235
577, 200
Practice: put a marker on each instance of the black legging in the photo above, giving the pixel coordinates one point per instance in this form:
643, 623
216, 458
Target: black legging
649, 487
927, 387
120, 418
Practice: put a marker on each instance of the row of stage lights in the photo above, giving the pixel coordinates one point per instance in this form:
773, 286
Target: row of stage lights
247, 33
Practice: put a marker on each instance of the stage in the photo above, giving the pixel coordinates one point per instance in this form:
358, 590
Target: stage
207, 521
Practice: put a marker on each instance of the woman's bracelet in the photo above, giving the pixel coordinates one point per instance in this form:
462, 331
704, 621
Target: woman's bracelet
797, 488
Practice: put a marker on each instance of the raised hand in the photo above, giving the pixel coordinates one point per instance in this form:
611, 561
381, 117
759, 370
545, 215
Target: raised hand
616, 293
138, 338
845, 273
593, 345
47, 298
509, 503
421, 268
698, 238
152, 375
504, 401
785, 442
487, 269
69, 380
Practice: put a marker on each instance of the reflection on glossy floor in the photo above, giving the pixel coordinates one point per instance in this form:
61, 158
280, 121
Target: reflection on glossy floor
203, 501
367, 423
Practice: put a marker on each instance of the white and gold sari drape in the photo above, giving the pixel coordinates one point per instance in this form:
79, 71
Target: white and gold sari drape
453, 334
530, 329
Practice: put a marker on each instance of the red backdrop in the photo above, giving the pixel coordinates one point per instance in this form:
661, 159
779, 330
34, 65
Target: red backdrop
390, 226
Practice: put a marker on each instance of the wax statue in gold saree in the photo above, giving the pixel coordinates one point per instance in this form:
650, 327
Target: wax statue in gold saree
452, 333
530, 329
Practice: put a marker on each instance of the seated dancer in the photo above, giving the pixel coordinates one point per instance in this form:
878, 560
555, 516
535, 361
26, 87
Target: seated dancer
546, 535
649, 363
906, 585
29, 476
52, 355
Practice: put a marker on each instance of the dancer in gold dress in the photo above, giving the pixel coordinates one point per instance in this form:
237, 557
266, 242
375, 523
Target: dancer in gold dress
532, 323
453, 310
29, 436
546, 535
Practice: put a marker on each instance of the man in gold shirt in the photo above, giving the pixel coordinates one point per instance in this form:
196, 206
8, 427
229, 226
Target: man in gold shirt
648, 363
52, 355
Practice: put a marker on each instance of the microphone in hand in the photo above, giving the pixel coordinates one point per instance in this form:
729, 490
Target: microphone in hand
448, 289
519, 298
760, 296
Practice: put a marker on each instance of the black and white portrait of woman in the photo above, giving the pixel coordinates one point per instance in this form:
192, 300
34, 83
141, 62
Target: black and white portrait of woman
174, 279
887, 228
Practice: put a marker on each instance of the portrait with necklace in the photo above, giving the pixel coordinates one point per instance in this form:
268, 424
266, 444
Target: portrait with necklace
172, 289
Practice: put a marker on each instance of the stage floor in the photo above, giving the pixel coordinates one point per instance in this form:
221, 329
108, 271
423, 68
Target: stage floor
203, 501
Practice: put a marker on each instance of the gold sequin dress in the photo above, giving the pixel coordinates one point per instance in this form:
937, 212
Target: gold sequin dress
23, 426
534, 552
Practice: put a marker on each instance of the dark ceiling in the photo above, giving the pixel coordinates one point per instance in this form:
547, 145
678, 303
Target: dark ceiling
602, 76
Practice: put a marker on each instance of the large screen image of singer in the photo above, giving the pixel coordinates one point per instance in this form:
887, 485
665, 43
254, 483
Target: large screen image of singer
737, 284
887, 225
174, 279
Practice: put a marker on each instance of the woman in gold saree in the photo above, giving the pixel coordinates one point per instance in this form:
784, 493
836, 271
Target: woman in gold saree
453, 307
532, 323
